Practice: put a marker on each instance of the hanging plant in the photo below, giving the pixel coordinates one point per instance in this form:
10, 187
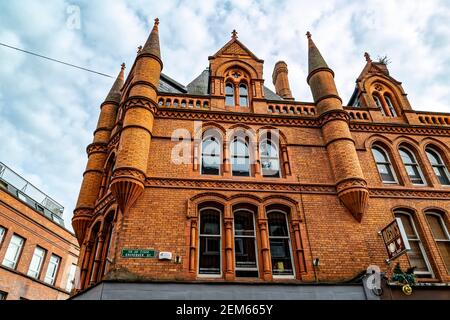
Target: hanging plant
407, 278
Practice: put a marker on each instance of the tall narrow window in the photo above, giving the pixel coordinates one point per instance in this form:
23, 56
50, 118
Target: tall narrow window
13, 252
243, 95
52, 269
36, 262
438, 165
209, 242
245, 244
384, 165
2, 235
270, 162
390, 105
280, 247
3, 295
211, 155
229, 94
411, 166
417, 256
71, 277
378, 104
240, 157
441, 236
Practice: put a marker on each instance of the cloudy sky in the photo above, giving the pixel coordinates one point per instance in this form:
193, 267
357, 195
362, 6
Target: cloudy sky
48, 111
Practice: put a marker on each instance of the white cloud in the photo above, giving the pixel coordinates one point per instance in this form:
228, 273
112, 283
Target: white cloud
48, 111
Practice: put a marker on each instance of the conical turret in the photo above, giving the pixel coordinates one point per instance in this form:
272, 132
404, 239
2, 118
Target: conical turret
350, 183
130, 170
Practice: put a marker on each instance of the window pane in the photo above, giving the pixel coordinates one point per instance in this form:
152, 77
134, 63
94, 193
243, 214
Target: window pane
277, 224
243, 90
243, 223
433, 157
2, 234
281, 257
409, 230
406, 156
52, 269
240, 159
209, 255
270, 167
210, 222
36, 262
71, 277
245, 253
210, 156
229, 89
243, 101
436, 227
379, 155
13, 251
385, 173
444, 248
416, 258
442, 175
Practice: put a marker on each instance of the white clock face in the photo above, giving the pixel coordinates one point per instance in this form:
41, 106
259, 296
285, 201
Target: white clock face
392, 247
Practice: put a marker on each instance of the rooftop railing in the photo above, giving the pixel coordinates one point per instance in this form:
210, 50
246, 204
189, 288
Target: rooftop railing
28, 193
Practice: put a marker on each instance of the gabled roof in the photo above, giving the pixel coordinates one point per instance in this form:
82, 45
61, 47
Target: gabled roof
233, 47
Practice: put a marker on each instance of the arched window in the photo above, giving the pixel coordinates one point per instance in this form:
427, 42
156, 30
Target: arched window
245, 243
210, 242
280, 244
243, 95
211, 158
412, 167
384, 165
229, 94
417, 255
441, 235
378, 103
270, 161
390, 105
240, 157
438, 165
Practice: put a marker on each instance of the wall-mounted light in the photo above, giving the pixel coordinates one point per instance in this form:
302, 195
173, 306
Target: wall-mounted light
316, 262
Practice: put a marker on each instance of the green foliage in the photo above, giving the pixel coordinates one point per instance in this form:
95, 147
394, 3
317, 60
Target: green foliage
384, 60
404, 277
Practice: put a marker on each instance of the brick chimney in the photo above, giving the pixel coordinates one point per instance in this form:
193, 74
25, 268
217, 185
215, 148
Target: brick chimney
281, 81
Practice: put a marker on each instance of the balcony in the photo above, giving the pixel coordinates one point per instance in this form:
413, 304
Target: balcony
23, 190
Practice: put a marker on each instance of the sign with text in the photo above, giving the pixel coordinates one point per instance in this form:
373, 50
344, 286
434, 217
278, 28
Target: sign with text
138, 253
395, 239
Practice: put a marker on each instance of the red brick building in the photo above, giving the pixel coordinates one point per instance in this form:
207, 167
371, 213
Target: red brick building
270, 197
38, 255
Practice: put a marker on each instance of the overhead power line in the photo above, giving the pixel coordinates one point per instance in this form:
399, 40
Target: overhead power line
55, 60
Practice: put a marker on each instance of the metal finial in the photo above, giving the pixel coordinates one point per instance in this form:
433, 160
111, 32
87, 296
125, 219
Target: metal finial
367, 56
308, 34
122, 65
139, 49
156, 21
234, 34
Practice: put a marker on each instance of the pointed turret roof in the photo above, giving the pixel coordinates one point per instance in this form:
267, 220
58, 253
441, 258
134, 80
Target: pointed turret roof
114, 94
152, 44
315, 59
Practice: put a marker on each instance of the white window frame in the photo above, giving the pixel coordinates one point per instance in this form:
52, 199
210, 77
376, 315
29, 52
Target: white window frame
421, 247
2, 234
416, 163
389, 162
17, 254
276, 147
446, 172
53, 277
216, 135
443, 226
36, 273
249, 150
71, 277
202, 275
292, 276
244, 236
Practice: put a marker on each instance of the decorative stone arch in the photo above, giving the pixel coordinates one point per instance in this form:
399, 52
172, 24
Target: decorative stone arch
235, 63
199, 135
193, 202
386, 85
283, 153
293, 205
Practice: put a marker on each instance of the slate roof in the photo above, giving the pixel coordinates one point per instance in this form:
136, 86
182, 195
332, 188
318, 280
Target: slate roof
200, 86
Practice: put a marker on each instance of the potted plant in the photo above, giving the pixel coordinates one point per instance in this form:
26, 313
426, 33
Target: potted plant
407, 278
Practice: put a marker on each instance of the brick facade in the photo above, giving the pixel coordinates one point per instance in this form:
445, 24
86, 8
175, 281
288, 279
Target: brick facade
19, 218
329, 186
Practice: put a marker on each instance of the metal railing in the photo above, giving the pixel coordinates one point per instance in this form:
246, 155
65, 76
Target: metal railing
28, 193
